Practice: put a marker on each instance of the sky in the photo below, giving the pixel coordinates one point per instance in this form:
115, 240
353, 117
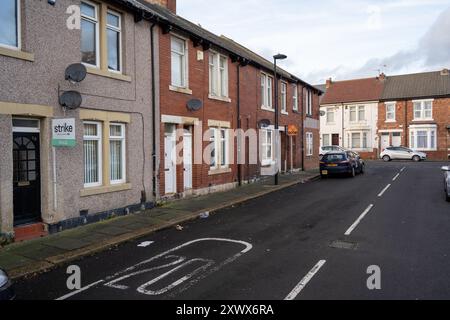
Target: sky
338, 39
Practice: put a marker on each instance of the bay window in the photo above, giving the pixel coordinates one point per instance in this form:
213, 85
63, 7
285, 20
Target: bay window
178, 62
423, 137
358, 140
92, 148
10, 24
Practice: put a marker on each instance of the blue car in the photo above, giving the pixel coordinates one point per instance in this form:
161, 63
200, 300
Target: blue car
346, 162
6, 287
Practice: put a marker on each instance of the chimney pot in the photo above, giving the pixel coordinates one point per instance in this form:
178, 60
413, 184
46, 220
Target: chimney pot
444, 72
328, 84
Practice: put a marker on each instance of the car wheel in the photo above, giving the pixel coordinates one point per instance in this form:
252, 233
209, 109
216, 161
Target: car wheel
362, 169
353, 172
447, 197
386, 158
416, 158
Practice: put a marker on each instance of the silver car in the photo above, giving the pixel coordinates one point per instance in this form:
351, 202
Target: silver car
447, 182
402, 153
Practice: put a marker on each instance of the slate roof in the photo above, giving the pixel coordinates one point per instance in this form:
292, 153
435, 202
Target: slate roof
358, 90
163, 15
418, 85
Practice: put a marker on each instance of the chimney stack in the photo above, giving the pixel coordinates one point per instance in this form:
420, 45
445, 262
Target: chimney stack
168, 4
328, 84
382, 76
444, 72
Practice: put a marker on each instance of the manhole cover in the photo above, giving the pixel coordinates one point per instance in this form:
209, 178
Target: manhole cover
339, 244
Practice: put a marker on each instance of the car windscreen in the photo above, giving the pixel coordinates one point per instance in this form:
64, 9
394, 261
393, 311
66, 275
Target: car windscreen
333, 158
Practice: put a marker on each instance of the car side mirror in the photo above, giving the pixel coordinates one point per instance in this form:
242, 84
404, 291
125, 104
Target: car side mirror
446, 168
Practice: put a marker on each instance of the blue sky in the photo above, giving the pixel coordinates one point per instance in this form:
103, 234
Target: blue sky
341, 39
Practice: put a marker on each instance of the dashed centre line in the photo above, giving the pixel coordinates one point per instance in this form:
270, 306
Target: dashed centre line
355, 224
395, 178
301, 285
384, 190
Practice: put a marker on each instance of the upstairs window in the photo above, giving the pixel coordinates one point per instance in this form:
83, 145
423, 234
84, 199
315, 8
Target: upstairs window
283, 97
218, 75
9, 23
423, 110
330, 115
308, 102
179, 62
113, 30
266, 91
90, 34
295, 98
357, 113
390, 112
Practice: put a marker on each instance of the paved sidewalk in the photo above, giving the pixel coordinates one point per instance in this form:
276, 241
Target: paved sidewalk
26, 258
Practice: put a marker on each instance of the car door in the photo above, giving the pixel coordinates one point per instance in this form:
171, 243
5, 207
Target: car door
404, 153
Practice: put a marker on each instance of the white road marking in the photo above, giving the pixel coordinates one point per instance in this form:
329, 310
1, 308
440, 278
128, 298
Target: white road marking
79, 290
395, 178
402, 169
145, 244
354, 225
384, 190
301, 285
111, 281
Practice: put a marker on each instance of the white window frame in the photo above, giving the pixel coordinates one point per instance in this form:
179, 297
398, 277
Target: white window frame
98, 138
267, 89
422, 109
216, 75
185, 61
265, 160
118, 30
363, 108
217, 140
364, 140
328, 135
121, 138
97, 32
295, 98
308, 101
350, 108
283, 97
19, 29
330, 111
309, 144
393, 112
430, 138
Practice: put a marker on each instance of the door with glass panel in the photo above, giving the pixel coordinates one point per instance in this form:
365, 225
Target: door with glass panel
169, 159
187, 160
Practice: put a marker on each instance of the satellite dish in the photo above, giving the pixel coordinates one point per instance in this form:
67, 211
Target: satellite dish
264, 123
76, 72
70, 99
194, 105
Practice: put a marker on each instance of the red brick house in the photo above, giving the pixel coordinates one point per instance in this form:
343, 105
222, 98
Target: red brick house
414, 111
209, 86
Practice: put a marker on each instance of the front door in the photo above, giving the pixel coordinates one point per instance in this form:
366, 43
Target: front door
384, 141
335, 139
169, 161
396, 139
26, 178
187, 160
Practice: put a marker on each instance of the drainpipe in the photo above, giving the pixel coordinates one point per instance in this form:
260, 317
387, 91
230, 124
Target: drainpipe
302, 131
238, 111
155, 172
406, 124
343, 126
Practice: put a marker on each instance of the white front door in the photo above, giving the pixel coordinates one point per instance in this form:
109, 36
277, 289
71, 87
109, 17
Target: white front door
169, 163
384, 141
396, 140
187, 160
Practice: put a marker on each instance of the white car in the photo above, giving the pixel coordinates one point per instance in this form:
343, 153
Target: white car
325, 149
402, 153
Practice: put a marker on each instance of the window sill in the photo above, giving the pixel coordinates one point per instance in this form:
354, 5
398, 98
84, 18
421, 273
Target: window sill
216, 171
108, 74
267, 164
180, 90
424, 119
224, 99
285, 113
104, 189
267, 109
18, 54
390, 121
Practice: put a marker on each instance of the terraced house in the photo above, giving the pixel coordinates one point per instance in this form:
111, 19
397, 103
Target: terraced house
106, 167
99, 96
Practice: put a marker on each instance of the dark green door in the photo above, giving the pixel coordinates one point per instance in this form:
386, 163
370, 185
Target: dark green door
27, 182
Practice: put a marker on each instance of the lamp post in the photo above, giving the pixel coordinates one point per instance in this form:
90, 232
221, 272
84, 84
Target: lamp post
275, 58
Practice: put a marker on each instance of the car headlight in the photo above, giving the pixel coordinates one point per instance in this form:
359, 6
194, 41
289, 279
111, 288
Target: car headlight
3, 278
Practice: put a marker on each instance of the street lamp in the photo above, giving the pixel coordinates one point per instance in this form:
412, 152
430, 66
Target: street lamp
275, 58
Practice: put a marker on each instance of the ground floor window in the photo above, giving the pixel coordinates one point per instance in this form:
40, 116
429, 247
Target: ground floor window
267, 146
92, 145
117, 153
309, 144
219, 139
423, 138
358, 140
326, 139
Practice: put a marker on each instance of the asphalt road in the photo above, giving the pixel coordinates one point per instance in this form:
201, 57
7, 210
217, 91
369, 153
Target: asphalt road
266, 249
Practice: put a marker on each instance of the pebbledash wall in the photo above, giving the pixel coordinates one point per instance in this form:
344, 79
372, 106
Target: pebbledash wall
32, 78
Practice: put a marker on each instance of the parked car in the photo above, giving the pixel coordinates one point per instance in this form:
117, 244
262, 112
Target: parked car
6, 287
326, 149
347, 162
447, 182
402, 153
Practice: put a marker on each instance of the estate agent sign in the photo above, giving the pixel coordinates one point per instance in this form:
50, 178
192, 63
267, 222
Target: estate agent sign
63, 132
